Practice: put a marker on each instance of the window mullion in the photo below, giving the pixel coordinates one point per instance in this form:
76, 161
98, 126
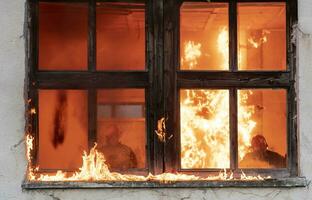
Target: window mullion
171, 60
233, 35
233, 91
233, 129
92, 100
92, 36
156, 72
32, 123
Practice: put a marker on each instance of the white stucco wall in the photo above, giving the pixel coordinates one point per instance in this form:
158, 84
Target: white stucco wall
12, 148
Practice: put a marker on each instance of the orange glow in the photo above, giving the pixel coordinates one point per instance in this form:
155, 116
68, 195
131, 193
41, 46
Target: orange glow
262, 36
94, 168
258, 42
204, 115
223, 47
205, 129
205, 120
33, 111
192, 52
245, 123
204, 136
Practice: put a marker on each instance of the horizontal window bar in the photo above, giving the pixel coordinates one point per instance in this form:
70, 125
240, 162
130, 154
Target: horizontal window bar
200, 79
80, 80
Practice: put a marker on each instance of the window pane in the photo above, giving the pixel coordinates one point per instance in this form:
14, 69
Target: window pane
204, 128
63, 33
63, 128
204, 42
121, 128
262, 36
262, 128
120, 29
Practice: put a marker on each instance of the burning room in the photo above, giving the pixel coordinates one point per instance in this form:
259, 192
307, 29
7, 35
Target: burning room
194, 95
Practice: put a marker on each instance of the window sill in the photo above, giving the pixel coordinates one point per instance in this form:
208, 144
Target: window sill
283, 182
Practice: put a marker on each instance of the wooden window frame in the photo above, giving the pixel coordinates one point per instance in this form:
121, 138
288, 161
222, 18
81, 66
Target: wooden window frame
233, 79
162, 80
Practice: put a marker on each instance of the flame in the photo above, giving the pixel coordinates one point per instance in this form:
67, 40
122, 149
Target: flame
204, 134
94, 168
205, 121
205, 129
256, 43
161, 130
223, 47
191, 53
245, 123
33, 111
252, 178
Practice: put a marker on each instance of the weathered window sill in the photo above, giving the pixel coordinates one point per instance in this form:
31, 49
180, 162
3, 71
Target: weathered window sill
284, 182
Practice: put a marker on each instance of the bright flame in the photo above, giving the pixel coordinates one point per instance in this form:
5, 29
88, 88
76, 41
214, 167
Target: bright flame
205, 121
223, 47
245, 123
191, 53
33, 111
205, 129
256, 43
204, 134
94, 168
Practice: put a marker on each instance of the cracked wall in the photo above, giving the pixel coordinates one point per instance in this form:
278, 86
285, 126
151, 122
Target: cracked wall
12, 154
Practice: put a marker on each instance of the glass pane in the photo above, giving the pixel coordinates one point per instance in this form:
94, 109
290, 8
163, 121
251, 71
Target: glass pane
204, 128
204, 36
262, 36
121, 128
120, 31
63, 33
262, 128
63, 128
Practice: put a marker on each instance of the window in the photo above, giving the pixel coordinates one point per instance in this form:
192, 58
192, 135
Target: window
186, 91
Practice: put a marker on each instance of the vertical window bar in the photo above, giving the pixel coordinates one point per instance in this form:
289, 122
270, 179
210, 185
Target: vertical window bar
292, 134
156, 75
92, 36
171, 35
233, 92
233, 130
150, 92
92, 100
233, 35
32, 125
92, 117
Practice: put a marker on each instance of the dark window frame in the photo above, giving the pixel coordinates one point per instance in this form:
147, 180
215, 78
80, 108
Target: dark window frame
232, 80
161, 80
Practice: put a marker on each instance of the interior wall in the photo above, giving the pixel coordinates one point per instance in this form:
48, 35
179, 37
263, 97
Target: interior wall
63, 128
12, 154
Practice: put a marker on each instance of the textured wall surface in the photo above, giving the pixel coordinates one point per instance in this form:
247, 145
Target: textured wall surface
12, 147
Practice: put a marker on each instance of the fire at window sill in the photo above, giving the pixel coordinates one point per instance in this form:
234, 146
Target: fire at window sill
95, 174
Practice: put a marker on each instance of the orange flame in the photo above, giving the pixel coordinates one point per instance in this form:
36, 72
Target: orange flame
205, 121
191, 53
204, 134
33, 111
94, 168
256, 43
223, 47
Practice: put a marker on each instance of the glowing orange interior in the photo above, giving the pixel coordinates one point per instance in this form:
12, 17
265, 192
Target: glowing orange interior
63, 35
204, 113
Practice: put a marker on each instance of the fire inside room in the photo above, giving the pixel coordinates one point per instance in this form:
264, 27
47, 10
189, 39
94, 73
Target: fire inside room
95, 127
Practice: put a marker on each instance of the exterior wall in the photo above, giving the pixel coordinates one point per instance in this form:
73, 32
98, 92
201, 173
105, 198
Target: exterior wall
12, 154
